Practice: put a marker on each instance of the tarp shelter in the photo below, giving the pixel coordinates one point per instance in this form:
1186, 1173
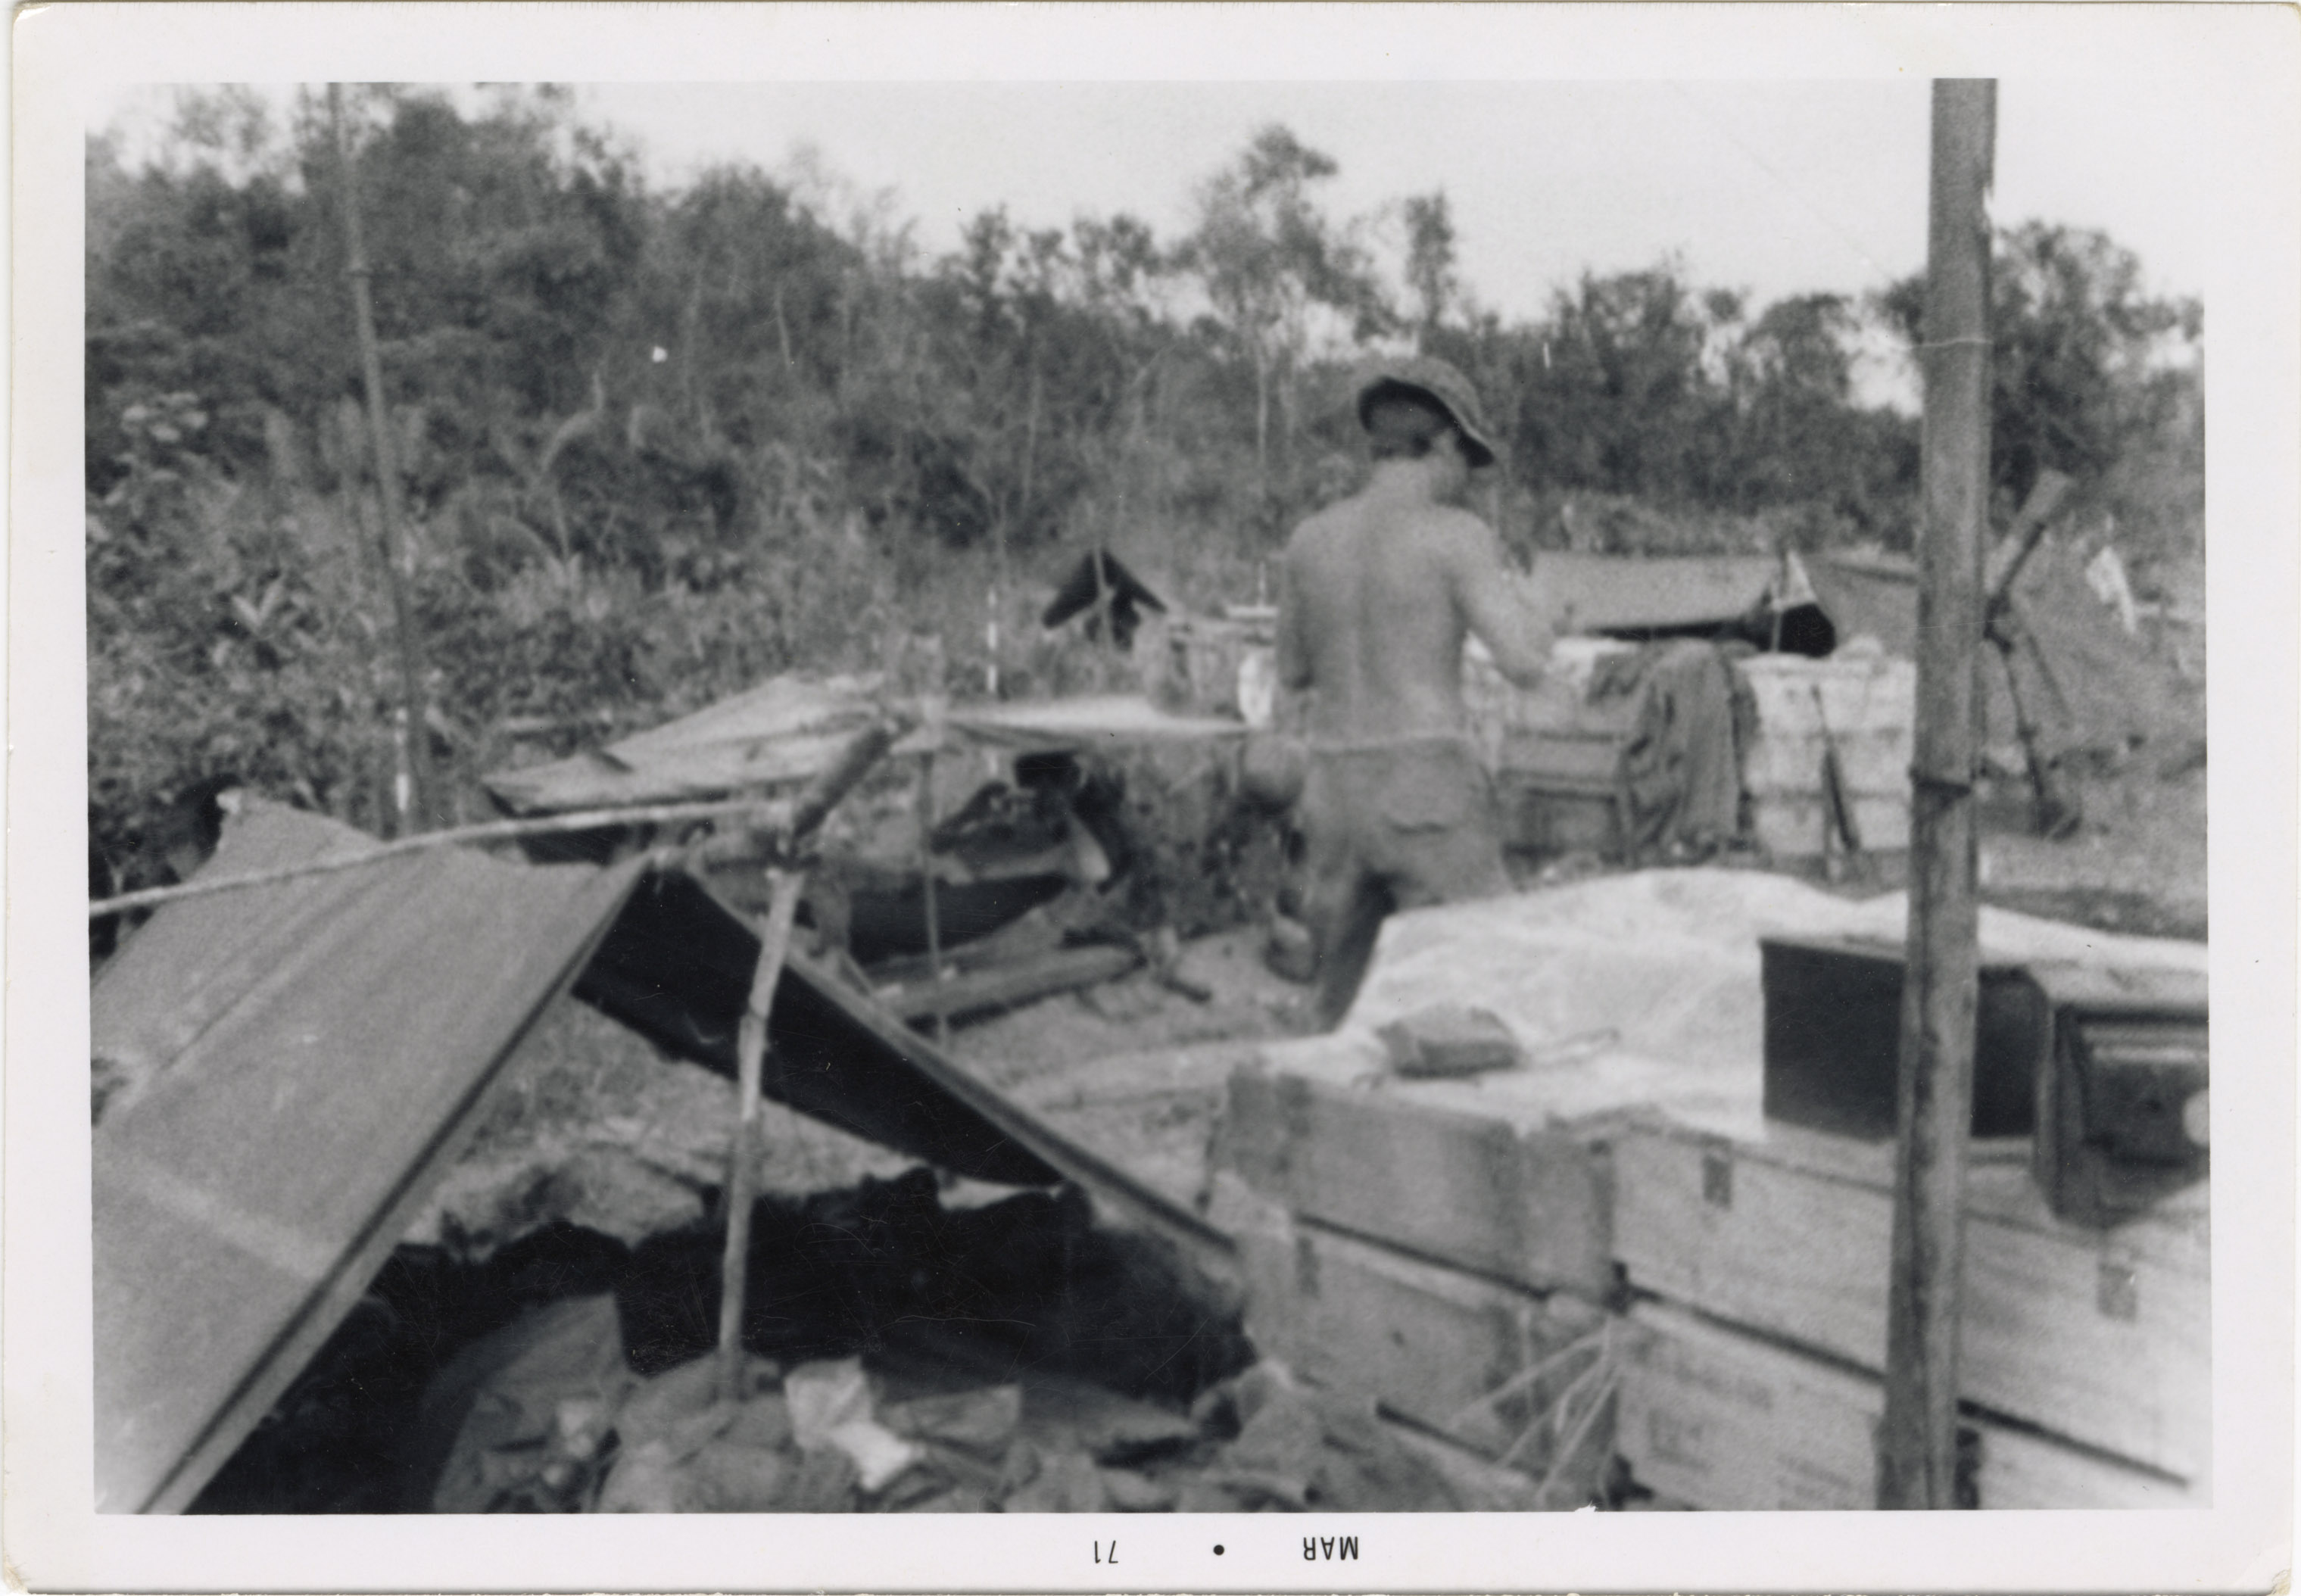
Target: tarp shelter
287, 1070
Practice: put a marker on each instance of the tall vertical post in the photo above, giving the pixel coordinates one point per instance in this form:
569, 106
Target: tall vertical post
1917, 1464
386, 477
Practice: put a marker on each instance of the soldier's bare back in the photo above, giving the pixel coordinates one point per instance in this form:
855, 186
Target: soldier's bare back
1381, 591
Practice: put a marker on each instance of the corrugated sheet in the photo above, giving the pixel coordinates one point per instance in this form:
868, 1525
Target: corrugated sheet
292, 1066
790, 728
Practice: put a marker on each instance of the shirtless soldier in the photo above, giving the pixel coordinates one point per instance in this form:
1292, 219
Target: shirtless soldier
1377, 595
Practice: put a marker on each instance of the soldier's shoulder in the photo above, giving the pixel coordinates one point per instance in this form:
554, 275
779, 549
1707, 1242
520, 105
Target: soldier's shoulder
1457, 526
1318, 525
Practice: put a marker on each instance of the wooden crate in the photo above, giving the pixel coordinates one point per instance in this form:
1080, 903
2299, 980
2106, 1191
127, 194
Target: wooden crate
2100, 1336
1426, 1342
1724, 1420
1788, 824
1484, 1194
1866, 707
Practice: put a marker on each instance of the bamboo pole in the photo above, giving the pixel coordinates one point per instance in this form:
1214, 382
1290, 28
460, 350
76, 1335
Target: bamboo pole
386, 477
786, 881
785, 887
493, 831
774, 821
1918, 1442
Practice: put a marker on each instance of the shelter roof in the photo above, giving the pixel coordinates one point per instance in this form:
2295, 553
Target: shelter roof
292, 1066
790, 729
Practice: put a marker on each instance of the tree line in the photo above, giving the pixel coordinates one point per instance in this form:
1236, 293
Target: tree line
659, 443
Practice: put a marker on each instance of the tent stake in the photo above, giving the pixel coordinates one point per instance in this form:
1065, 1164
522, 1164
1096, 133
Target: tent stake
784, 886
1917, 1464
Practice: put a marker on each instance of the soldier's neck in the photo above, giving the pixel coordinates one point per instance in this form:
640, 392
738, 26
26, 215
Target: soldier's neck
1402, 479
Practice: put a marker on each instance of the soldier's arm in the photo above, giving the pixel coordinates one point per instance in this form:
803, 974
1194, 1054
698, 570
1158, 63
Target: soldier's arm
1499, 605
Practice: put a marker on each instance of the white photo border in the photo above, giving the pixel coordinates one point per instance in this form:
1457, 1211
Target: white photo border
2242, 65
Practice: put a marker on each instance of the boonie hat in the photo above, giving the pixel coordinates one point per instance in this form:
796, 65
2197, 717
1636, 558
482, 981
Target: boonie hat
1427, 377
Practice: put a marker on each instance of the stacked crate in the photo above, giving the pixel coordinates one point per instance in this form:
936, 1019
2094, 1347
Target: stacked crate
1865, 705
1760, 1261
1443, 1248
1556, 757
1447, 1247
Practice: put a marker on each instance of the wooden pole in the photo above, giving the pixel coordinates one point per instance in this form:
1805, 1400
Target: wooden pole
786, 881
783, 887
387, 478
927, 900
1917, 1462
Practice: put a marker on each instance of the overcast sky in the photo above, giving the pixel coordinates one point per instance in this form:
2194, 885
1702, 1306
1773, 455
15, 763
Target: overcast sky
1772, 188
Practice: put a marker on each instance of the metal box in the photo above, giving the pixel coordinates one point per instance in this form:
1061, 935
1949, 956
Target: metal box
1833, 1037
2122, 1104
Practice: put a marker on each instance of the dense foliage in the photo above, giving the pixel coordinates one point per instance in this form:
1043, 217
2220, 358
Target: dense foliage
658, 444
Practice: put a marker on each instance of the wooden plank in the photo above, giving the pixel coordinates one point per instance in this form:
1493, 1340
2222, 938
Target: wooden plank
2100, 1336
1525, 1205
1005, 987
1726, 1421
1426, 1342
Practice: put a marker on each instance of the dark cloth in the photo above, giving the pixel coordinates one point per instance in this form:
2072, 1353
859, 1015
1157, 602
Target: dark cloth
1082, 590
1387, 827
1681, 768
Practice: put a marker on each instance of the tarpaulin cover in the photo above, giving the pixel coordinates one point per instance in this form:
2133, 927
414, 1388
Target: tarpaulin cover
284, 1070
1663, 965
792, 727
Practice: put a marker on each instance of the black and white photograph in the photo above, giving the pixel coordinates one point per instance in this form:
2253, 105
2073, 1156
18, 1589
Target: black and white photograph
1336, 796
